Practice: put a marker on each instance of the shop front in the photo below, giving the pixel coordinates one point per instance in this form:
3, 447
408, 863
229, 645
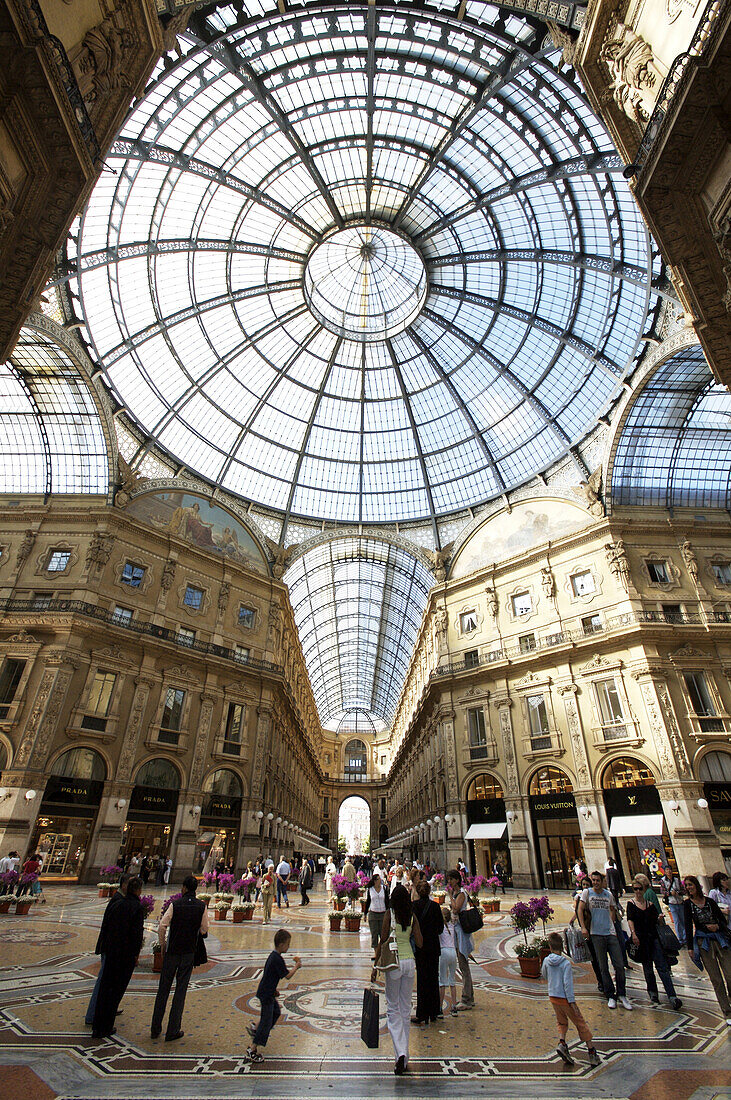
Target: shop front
220, 822
487, 827
149, 827
718, 797
68, 812
556, 832
637, 828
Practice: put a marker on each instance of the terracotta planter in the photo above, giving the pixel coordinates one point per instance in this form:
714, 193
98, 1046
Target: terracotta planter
157, 962
362, 904
248, 914
22, 908
496, 905
237, 915
545, 952
4, 906
439, 898
352, 924
335, 924
221, 914
340, 903
103, 893
486, 905
530, 967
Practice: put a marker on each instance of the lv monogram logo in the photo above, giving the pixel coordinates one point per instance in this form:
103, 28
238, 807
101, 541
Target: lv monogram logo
633, 800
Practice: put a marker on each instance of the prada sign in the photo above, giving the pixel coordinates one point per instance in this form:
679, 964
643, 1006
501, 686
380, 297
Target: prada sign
222, 806
545, 806
157, 800
625, 801
73, 792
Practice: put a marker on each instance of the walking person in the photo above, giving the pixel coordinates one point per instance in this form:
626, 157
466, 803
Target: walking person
283, 873
400, 981
707, 938
125, 932
101, 946
614, 880
642, 918
267, 894
672, 891
462, 940
186, 917
599, 902
431, 923
305, 881
447, 965
275, 968
721, 893
556, 969
499, 872
375, 907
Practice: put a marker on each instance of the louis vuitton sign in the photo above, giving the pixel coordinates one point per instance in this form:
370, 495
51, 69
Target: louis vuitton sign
625, 801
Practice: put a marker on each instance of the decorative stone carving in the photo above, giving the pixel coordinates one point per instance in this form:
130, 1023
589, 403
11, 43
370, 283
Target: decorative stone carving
548, 583
168, 575
129, 746
659, 732
100, 63
201, 740
281, 556
21, 638
26, 545
590, 492
681, 757
439, 561
223, 595
492, 601
129, 481
634, 73
618, 562
564, 40
99, 551
263, 736
568, 692
44, 716
503, 704
691, 562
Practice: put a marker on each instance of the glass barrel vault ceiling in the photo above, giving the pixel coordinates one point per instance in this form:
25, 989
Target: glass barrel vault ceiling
363, 263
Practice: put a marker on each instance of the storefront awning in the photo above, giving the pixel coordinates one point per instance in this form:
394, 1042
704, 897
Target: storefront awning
637, 825
490, 831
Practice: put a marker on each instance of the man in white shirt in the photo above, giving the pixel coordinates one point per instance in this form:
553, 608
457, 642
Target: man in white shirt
10, 862
282, 872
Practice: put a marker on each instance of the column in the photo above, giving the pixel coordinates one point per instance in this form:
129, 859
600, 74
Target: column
519, 829
596, 847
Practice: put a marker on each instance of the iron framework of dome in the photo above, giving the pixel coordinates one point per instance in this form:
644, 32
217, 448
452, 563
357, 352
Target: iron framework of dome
363, 262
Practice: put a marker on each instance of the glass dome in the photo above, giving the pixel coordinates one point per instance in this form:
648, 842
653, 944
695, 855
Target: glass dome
363, 263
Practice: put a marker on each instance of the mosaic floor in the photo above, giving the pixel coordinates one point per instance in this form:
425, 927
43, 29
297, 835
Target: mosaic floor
504, 1048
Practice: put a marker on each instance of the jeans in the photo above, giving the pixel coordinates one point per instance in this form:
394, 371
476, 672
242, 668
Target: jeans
266, 899
375, 924
468, 993
677, 912
303, 892
180, 968
654, 955
717, 964
270, 1013
89, 1018
282, 893
608, 945
399, 986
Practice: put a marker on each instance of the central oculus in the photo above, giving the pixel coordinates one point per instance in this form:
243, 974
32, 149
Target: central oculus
365, 283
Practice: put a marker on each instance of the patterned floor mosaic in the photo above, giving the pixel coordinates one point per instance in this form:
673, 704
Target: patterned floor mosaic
505, 1048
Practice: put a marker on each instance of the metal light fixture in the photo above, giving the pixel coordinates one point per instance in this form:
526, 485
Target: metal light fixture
674, 806
702, 804
270, 816
120, 803
30, 795
510, 815
259, 815
585, 812
195, 811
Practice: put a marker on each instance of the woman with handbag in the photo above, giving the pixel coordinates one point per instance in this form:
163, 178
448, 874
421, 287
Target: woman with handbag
395, 957
707, 933
642, 917
463, 942
431, 923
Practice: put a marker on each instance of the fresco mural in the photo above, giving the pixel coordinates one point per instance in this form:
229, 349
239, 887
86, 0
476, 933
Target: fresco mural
197, 521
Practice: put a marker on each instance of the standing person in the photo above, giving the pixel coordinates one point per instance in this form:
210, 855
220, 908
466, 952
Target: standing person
431, 923
10, 862
330, 870
267, 894
720, 892
160, 871
599, 902
399, 982
125, 932
648, 892
375, 907
642, 918
462, 941
283, 873
145, 870
101, 945
556, 969
672, 891
168, 869
186, 917
349, 873
134, 865
499, 872
32, 866
305, 881
275, 968
447, 964
614, 879
707, 933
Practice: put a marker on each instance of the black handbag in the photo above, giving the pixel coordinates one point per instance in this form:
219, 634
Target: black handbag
201, 955
470, 919
370, 1023
669, 942
634, 951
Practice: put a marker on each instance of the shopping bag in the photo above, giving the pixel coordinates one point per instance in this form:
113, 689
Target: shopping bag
369, 1023
470, 920
576, 945
201, 955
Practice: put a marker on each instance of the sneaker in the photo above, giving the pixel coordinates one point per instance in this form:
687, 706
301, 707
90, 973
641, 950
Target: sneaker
563, 1052
626, 1003
611, 1003
676, 1003
453, 1012
594, 1059
251, 1029
254, 1056
462, 1007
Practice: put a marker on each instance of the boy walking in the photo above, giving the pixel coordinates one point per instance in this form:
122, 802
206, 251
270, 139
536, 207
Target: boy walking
274, 968
557, 970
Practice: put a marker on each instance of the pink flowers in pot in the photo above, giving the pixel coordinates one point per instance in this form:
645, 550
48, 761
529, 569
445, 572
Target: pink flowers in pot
148, 904
225, 883
244, 885
168, 902
210, 879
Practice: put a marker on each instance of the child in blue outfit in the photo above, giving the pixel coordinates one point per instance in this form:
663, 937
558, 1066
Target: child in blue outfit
274, 968
557, 970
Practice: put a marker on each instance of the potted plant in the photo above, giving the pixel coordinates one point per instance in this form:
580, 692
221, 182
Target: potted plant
352, 918
542, 910
335, 917
544, 949
244, 886
242, 910
205, 898
438, 892
105, 889
111, 873
524, 919
156, 958
341, 889
23, 905
169, 901
210, 880
221, 908
9, 880
148, 904
225, 883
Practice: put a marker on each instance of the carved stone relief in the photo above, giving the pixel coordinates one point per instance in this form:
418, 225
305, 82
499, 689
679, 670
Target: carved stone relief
506, 729
201, 740
134, 724
573, 720
659, 733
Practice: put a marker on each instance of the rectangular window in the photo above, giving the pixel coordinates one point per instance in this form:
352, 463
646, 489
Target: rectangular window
540, 737
100, 695
247, 615
590, 624
10, 677
702, 701
132, 574
58, 560
383, 807
383, 761
583, 584
193, 597
522, 603
527, 642
326, 807
241, 653
471, 658
478, 734
186, 636
233, 734
172, 715
468, 622
721, 572
658, 571
122, 616
610, 709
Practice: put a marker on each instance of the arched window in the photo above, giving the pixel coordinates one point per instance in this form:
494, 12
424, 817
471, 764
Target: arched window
484, 786
625, 771
158, 773
550, 780
715, 767
356, 761
224, 782
80, 764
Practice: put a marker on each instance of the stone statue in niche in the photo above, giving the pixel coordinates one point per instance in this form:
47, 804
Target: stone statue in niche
99, 550
634, 73
100, 64
618, 562
25, 548
492, 601
168, 575
691, 561
548, 583
223, 595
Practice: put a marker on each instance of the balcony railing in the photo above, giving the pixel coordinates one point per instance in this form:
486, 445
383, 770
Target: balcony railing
48, 607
